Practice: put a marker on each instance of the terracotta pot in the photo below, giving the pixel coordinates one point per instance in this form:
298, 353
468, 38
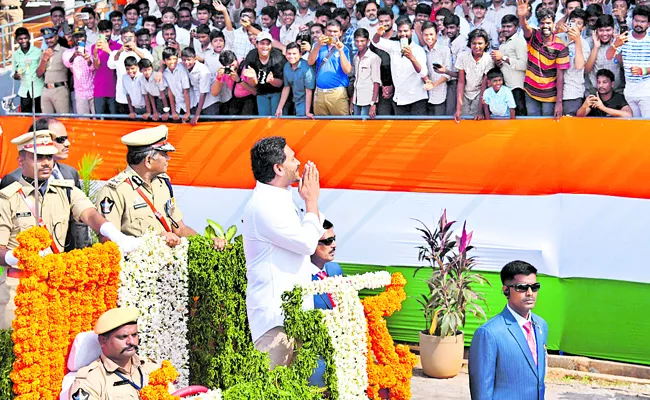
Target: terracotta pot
441, 358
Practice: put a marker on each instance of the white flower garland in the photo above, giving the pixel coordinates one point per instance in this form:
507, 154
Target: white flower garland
154, 279
346, 325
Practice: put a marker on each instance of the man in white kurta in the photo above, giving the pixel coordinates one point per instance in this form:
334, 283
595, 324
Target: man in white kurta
278, 242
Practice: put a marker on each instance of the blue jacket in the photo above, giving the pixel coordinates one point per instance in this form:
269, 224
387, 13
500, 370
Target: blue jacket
501, 365
322, 301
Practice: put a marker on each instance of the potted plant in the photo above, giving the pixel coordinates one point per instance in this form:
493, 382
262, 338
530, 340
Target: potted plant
449, 299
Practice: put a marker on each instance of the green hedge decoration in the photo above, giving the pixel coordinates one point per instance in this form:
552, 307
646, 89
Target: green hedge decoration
222, 354
7, 358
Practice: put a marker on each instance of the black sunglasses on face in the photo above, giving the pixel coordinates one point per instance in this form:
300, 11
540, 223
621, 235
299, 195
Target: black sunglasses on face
328, 241
61, 139
523, 288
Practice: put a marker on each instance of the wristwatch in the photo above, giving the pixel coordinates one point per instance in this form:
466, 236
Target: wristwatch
166, 109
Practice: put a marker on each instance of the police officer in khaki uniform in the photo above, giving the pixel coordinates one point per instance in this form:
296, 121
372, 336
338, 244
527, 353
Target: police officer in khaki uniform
118, 373
58, 198
10, 12
141, 196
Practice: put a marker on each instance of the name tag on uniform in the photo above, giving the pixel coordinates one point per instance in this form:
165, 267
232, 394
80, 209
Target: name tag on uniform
139, 205
121, 383
23, 214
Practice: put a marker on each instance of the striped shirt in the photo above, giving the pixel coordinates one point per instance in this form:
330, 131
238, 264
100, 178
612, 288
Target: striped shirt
636, 53
543, 63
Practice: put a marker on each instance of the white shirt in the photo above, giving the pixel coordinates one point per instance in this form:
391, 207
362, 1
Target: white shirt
278, 244
440, 54
182, 36
288, 35
91, 37
120, 70
521, 320
409, 86
201, 81
237, 41
495, 16
303, 20
149, 86
131, 87
177, 81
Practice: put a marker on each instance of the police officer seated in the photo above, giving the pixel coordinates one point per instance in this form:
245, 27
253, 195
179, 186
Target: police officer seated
57, 199
141, 197
118, 373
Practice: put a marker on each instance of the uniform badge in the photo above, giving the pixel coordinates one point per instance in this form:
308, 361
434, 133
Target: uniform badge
25, 214
81, 394
170, 207
106, 205
137, 180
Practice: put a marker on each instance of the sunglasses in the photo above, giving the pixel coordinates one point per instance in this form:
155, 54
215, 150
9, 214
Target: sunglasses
61, 139
523, 288
328, 241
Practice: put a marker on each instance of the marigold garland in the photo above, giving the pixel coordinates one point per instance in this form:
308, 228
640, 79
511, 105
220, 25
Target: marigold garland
159, 381
389, 366
58, 296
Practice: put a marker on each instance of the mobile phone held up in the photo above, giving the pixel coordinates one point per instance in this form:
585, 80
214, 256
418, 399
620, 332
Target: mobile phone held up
403, 44
436, 65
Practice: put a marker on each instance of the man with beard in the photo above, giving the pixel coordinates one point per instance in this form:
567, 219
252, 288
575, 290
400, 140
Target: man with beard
278, 242
602, 36
370, 21
24, 62
143, 39
543, 85
633, 52
605, 103
408, 64
119, 372
507, 357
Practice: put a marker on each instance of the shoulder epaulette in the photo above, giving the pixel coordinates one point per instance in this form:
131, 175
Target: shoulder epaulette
10, 190
117, 180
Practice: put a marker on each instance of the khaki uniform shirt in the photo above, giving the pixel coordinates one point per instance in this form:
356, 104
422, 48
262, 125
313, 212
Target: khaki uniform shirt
56, 71
122, 205
98, 381
55, 209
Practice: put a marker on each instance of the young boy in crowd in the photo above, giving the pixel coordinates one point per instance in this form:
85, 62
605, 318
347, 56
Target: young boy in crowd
177, 81
202, 43
472, 66
299, 79
150, 23
367, 77
201, 100
154, 100
131, 86
498, 100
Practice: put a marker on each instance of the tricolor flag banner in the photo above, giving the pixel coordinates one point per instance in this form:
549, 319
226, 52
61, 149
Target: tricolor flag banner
570, 197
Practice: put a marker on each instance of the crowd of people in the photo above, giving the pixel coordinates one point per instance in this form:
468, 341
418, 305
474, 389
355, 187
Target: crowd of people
177, 60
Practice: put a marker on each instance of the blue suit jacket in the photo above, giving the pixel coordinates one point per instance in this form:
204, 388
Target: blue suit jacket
501, 365
322, 301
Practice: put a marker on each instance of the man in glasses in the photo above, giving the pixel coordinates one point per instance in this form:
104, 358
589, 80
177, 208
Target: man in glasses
141, 196
78, 235
507, 358
57, 199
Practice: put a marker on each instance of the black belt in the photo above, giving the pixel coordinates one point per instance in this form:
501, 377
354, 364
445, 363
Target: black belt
10, 7
55, 85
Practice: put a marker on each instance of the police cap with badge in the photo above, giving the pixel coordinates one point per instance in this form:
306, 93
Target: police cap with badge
44, 142
148, 139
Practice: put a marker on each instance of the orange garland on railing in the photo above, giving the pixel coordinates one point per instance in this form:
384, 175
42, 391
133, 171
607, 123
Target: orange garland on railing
59, 296
389, 366
159, 381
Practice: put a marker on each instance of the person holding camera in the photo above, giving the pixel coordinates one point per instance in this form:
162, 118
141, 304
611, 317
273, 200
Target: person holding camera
331, 60
116, 62
78, 59
408, 64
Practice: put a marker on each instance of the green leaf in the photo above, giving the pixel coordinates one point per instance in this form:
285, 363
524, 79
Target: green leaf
218, 230
230, 233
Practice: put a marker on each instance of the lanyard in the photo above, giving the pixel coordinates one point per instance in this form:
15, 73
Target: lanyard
130, 382
41, 223
158, 215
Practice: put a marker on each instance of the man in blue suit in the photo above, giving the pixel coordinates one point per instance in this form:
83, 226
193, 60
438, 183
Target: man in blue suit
507, 358
324, 265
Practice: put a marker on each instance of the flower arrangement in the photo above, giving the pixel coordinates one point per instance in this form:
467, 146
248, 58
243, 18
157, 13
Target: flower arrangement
55, 301
159, 382
154, 279
450, 293
394, 364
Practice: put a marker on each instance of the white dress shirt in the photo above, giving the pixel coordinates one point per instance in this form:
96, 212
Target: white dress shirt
521, 320
278, 244
409, 86
182, 36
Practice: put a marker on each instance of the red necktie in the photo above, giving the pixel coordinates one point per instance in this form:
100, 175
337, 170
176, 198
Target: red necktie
322, 275
530, 338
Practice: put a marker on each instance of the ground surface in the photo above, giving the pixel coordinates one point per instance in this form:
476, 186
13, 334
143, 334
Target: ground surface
457, 388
